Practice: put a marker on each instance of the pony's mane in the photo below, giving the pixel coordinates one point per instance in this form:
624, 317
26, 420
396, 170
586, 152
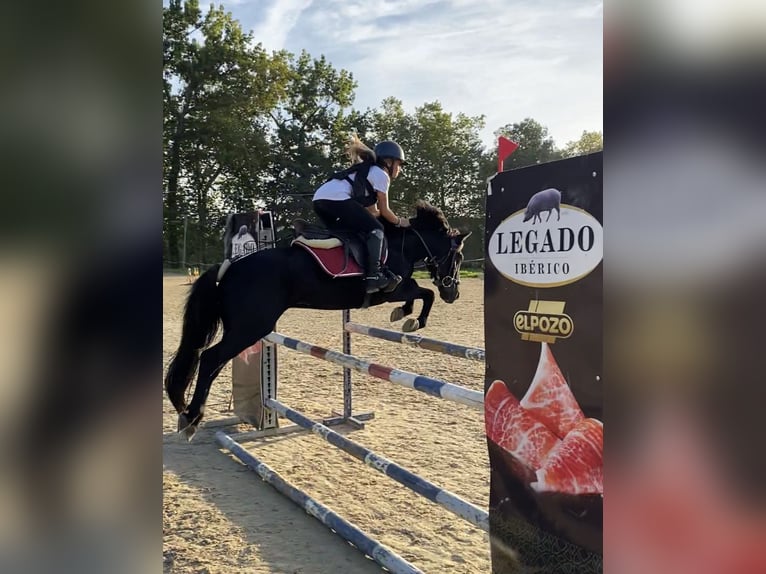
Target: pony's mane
428, 217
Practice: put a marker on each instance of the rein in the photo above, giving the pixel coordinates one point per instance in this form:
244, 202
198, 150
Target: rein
433, 264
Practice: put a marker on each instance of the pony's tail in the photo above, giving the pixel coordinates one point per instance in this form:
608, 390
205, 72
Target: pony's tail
200, 325
358, 151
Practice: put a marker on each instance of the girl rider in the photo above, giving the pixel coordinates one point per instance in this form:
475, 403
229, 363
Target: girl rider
337, 207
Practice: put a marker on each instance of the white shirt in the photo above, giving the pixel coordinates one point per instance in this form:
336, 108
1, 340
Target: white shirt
340, 189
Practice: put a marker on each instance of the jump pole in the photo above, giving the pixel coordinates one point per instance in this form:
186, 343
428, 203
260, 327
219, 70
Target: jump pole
381, 554
461, 351
444, 498
433, 387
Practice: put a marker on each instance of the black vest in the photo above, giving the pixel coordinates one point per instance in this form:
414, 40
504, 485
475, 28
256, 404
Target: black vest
361, 189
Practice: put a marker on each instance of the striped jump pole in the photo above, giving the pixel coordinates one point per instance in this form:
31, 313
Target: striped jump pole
443, 498
345, 529
420, 383
472, 353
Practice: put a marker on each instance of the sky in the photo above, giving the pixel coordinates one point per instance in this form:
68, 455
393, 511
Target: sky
503, 59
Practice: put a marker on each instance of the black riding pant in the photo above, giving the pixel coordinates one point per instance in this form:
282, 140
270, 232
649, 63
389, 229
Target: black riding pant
346, 215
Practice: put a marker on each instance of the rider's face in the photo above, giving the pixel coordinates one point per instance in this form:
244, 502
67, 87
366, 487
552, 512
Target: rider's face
396, 168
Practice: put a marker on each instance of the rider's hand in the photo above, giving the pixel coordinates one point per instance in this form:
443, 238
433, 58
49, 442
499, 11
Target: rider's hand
404, 222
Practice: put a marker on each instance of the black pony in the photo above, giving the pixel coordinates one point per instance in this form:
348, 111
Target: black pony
256, 290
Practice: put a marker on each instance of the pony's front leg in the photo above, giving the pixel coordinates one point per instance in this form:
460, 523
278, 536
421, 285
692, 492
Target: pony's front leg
408, 291
427, 296
400, 313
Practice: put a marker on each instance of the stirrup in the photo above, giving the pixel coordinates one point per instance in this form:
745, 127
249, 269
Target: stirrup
394, 280
377, 282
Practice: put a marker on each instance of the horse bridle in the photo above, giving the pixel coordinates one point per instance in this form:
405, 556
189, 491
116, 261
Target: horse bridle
433, 264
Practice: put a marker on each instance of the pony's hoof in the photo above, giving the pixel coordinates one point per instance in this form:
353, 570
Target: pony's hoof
397, 314
186, 427
410, 325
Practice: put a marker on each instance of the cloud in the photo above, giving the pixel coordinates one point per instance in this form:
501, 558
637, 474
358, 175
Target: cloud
281, 17
504, 59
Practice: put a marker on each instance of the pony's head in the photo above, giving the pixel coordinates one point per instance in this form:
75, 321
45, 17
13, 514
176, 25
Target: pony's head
445, 249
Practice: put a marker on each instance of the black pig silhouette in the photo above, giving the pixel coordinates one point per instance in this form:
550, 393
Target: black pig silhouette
545, 200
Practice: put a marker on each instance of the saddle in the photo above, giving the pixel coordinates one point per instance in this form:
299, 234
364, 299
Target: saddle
338, 253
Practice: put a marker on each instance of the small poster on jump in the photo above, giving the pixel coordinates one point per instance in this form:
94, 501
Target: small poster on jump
543, 388
245, 234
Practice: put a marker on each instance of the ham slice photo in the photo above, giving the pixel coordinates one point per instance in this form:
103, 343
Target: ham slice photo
549, 398
513, 429
575, 466
548, 432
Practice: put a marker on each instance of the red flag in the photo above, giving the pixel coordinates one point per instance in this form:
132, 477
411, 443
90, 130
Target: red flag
505, 147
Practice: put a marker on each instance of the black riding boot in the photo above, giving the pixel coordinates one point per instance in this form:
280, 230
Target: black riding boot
376, 279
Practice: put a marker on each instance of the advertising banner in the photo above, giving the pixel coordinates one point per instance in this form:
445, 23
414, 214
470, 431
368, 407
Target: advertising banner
543, 388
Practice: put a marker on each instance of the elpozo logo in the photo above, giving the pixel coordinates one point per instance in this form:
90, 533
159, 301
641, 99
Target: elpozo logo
543, 321
547, 244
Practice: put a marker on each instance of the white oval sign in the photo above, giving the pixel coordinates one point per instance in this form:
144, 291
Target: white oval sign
547, 251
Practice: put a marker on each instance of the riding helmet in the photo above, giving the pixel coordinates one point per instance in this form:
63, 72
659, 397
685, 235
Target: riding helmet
389, 149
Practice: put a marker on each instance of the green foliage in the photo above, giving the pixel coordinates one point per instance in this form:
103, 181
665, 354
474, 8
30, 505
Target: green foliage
306, 129
589, 142
535, 145
216, 89
443, 152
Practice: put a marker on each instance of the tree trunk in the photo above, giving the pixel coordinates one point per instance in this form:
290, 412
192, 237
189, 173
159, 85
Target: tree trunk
207, 180
172, 192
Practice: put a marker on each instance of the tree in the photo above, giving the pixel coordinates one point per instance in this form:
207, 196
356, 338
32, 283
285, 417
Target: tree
448, 150
216, 86
535, 145
391, 122
589, 142
443, 150
306, 129
445, 155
